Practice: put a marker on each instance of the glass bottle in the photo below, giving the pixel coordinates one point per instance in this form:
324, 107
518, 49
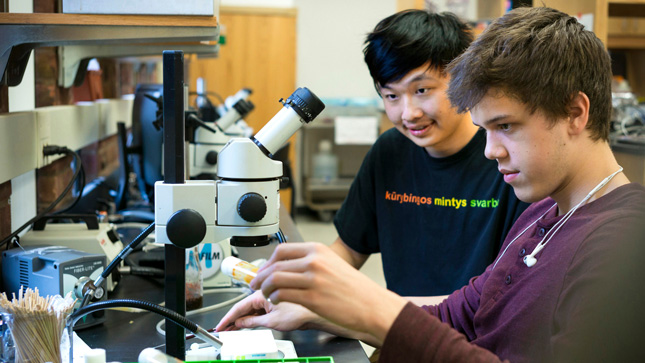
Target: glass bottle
325, 163
194, 280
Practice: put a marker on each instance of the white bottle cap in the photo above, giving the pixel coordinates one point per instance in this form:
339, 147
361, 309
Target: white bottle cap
228, 264
325, 146
95, 356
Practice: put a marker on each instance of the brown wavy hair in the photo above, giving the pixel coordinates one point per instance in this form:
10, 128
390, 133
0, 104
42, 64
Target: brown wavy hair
541, 57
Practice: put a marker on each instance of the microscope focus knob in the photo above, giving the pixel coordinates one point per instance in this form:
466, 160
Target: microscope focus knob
186, 228
211, 157
252, 207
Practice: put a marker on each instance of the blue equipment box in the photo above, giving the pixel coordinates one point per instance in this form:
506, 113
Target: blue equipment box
54, 270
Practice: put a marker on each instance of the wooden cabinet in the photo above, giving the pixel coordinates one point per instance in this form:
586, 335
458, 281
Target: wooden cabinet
259, 53
620, 24
491, 9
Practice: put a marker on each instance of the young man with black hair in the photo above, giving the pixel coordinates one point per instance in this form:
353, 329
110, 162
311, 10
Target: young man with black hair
425, 196
540, 85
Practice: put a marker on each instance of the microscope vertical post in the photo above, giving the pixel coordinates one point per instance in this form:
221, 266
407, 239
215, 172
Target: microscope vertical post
174, 173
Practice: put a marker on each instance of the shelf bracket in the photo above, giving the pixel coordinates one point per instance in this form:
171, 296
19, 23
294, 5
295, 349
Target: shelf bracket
73, 59
19, 39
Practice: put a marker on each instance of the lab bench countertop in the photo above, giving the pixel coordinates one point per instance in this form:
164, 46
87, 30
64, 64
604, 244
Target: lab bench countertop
124, 335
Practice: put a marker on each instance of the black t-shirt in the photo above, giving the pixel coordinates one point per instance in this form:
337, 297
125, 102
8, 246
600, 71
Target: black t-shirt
437, 222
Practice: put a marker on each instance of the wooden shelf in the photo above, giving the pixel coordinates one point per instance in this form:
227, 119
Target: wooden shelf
101, 19
626, 9
626, 24
626, 41
21, 33
619, 24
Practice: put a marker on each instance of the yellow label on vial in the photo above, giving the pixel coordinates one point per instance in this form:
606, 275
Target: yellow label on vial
244, 271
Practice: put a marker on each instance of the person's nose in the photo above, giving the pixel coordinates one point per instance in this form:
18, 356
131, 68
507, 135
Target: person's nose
411, 109
494, 148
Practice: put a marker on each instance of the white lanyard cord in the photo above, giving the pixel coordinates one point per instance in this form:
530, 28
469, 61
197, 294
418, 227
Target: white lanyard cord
566, 217
559, 224
521, 233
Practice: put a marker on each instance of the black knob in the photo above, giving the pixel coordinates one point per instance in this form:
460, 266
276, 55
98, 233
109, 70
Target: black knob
252, 207
112, 235
211, 157
186, 228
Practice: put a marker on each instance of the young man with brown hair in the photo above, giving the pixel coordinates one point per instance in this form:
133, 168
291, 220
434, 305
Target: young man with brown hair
425, 193
539, 84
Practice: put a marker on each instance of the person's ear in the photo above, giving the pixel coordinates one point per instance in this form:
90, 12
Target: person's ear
578, 113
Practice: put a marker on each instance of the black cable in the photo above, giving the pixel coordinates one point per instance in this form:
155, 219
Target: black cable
49, 150
86, 299
203, 123
126, 251
117, 260
281, 237
130, 303
145, 305
143, 271
204, 95
219, 98
133, 268
80, 192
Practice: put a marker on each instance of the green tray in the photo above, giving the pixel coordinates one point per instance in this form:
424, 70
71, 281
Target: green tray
285, 360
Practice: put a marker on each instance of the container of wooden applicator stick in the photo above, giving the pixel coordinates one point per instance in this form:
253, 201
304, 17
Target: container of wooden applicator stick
36, 324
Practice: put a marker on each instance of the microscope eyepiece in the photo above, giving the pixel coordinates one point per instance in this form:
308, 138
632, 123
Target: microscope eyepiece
306, 104
300, 108
243, 107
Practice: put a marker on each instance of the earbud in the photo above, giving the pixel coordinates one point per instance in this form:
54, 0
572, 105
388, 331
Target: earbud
530, 260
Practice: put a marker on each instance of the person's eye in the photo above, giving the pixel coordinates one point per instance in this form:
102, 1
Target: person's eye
504, 127
423, 90
390, 97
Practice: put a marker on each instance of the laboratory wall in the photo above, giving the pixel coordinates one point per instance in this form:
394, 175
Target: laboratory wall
25, 192
330, 45
5, 209
329, 42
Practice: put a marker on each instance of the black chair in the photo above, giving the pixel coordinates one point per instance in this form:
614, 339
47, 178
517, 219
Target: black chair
143, 155
287, 180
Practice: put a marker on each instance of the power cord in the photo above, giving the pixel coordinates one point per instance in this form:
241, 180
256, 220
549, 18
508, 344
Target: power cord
47, 151
81, 177
205, 96
244, 292
139, 304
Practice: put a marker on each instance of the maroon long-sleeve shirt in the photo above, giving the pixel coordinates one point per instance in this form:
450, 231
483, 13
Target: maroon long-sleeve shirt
520, 314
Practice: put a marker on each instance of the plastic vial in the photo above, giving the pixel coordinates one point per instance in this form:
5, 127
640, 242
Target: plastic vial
95, 356
151, 355
194, 280
325, 163
239, 270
